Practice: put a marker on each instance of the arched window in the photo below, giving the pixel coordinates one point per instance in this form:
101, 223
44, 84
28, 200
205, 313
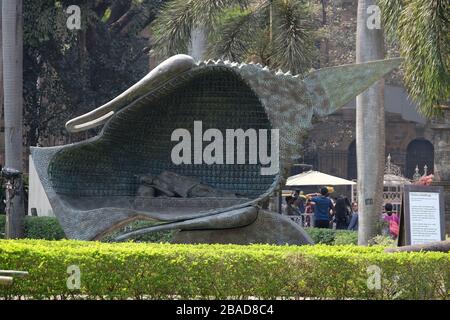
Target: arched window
352, 170
420, 152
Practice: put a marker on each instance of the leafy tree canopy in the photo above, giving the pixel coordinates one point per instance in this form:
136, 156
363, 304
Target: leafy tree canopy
278, 33
422, 30
68, 72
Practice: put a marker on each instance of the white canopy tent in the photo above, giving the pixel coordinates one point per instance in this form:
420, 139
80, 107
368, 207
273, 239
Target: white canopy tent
316, 178
313, 178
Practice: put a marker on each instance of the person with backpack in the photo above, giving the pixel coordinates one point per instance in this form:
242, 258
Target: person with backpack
392, 220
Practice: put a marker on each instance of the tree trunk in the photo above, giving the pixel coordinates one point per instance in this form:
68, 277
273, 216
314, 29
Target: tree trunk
370, 126
197, 46
271, 22
440, 246
12, 37
326, 42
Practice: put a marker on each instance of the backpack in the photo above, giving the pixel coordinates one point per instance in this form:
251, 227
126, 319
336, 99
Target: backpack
394, 228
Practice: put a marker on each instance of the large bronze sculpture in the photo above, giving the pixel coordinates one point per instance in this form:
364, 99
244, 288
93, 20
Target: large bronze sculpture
126, 172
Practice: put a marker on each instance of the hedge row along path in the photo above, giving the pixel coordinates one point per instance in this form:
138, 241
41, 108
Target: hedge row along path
164, 271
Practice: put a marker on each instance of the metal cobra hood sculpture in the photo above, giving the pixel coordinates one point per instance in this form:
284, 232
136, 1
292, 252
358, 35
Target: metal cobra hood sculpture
93, 185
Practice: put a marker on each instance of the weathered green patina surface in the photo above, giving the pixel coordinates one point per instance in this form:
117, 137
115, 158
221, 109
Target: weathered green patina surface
93, 185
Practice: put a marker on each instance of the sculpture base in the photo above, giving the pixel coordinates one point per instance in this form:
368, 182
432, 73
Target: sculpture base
269, 228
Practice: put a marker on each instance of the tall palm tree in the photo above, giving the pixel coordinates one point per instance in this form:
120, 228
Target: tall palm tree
12, 41
370, 126
276, 33
421, 29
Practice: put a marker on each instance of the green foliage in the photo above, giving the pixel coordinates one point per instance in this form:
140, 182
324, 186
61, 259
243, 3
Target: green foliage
233, 38
43, 228
332, 237
69, 72
163, 271
324, 236
240, 31
422, 30
46, 228
344, 237
172, 28
382, 241
293, 42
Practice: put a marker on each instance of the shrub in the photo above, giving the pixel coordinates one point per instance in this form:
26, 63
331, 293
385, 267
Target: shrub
330, 236
46, 228
43, 228
157, 271
324, 236
382, 241
343, 237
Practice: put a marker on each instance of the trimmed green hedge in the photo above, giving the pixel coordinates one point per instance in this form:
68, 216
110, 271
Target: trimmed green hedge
333, 237
159, 271
48, 228
43, 228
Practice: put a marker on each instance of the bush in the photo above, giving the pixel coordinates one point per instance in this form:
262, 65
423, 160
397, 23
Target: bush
46, 228
43, 228
324, 236
343, 237
164, 271
330, 236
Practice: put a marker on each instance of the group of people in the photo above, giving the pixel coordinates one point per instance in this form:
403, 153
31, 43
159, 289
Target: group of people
324, 210
336, 213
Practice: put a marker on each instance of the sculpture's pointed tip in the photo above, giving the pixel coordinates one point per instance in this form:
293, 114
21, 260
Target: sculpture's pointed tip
334, 87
